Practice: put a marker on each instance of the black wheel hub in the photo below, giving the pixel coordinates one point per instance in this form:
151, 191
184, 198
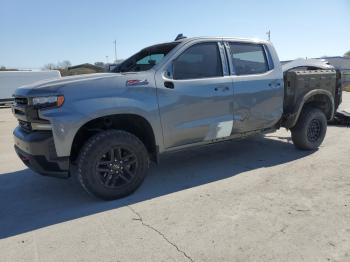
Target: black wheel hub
314, 130
117, 167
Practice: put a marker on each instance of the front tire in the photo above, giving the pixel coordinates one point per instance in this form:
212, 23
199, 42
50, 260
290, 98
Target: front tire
112, 164
310, 130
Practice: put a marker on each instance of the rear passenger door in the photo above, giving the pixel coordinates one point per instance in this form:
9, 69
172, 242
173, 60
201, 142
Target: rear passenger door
257, 87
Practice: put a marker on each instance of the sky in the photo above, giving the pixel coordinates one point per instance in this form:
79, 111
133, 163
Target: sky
34, 33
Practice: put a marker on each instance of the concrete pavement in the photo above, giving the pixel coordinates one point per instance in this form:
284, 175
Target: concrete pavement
254, 200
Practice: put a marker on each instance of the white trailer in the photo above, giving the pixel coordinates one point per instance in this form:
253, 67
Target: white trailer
10, 80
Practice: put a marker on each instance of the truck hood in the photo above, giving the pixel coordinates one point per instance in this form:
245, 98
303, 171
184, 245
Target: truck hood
67, 80
100, 79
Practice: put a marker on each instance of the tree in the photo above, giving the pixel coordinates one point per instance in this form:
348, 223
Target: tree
347, 54
49, 66
64, 64
60, 65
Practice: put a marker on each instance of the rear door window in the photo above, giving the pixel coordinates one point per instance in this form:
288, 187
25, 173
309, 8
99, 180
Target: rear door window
248, 59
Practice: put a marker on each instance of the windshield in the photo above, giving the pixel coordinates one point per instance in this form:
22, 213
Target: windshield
146, 58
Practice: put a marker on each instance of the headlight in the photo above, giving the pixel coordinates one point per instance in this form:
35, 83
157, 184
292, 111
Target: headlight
48, 101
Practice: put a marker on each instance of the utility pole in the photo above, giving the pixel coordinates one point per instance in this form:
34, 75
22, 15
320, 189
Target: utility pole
115, 50
269, 35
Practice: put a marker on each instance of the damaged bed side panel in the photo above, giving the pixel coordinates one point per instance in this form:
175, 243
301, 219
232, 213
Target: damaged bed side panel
313, 87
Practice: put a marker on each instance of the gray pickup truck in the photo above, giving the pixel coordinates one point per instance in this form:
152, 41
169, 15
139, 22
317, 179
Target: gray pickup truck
167, 97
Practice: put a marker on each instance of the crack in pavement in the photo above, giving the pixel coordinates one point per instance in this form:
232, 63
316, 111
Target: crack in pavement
159, 233
301, 210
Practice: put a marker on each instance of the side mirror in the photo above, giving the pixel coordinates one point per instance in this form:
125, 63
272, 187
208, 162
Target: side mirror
152, 62
169, 71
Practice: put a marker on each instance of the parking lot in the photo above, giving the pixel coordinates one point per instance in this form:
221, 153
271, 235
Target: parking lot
258, 199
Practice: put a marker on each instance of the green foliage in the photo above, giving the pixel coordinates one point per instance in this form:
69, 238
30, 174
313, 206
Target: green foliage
347, 53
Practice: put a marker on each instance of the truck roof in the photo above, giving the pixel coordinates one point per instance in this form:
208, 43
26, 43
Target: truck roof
229, 38
190, 39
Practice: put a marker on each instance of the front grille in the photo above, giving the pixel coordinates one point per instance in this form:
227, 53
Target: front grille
21, 101
26, 126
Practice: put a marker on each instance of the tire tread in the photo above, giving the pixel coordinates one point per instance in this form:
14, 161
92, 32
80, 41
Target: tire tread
95, 140
299, 130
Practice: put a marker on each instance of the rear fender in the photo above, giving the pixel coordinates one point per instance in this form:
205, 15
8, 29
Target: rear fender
292, 119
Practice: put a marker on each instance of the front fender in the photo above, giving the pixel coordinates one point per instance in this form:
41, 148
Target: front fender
67, 120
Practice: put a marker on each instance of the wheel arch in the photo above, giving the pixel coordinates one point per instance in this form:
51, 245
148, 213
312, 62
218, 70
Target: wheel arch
132, 123
318, 98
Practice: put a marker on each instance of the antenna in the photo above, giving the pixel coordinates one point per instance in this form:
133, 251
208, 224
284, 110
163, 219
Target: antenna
179, 37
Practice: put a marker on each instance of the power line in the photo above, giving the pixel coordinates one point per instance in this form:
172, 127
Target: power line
269, 35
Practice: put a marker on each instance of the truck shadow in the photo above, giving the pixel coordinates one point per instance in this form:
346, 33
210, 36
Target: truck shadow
29, 201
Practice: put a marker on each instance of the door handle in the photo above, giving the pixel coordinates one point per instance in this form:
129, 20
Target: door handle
222, 88
274, 84
169, 84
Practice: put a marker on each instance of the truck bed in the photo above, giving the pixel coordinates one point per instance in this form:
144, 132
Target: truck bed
298, 83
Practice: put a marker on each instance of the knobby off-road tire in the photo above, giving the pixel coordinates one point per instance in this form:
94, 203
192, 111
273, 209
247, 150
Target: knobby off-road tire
112, 164
310, 130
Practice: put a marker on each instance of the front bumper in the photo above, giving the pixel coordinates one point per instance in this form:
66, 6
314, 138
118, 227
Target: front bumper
37, 151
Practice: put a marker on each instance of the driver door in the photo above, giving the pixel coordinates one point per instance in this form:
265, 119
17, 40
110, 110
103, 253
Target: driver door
195, 96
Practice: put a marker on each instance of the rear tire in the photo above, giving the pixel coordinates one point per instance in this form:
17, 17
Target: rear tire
310, 130
112, 164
